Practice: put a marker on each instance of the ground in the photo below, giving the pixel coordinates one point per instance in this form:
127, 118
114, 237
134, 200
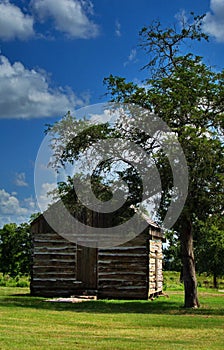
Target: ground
32, 323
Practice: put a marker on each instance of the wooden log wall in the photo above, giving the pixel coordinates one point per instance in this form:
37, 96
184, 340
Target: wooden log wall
123, 271
54, 263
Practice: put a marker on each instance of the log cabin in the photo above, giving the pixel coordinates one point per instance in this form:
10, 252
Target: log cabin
60, 268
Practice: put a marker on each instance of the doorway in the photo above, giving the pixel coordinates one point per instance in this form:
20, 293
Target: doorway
87, 266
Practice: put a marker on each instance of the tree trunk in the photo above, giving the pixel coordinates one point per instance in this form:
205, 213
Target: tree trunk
189, 274
215, 281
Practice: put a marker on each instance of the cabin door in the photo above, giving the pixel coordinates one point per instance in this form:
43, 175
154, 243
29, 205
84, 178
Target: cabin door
87, 266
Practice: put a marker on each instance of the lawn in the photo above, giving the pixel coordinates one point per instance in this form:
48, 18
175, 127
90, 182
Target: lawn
32, 323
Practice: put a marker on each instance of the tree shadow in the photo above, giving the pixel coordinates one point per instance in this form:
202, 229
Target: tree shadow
161, 305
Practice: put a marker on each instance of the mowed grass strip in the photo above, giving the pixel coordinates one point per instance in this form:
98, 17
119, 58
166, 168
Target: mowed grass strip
32, 323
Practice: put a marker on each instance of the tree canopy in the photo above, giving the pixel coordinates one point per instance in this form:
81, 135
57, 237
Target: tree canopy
15, 249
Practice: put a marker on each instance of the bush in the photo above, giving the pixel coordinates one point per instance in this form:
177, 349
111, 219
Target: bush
7, 281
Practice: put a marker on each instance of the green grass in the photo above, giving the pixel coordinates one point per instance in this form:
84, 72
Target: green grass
31, 323
172, 281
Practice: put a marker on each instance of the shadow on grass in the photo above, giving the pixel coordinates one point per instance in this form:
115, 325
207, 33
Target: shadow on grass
160, 305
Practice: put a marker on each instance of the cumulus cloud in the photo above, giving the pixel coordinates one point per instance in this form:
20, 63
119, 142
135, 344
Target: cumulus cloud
27, 93
10, 205
20, 180
31, 204
14, 210
69, 16
214, 20
14, 23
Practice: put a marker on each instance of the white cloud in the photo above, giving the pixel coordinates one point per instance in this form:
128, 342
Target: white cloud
27, 93
14, 210
45, 198
30, 203
106, 116
214, 20
131, 57
14, 23
117, 28
20, 180
10, 205
69, 16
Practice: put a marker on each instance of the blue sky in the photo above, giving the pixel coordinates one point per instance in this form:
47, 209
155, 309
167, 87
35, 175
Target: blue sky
54, 56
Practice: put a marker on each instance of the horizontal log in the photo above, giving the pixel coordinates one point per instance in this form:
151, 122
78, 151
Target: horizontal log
120, 283
105, 266
55, 290
122, 288
138, 241
122, 273
53, 262
131, 269
55, 250
56, 275
125, 254
48, 236
51, 254
121, 248
122, 278
44, 278
53, 269
53, 244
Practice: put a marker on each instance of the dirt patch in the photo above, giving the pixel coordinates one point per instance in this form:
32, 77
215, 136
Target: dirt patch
73, 299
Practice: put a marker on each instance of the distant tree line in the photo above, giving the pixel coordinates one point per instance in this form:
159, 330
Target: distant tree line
15, 249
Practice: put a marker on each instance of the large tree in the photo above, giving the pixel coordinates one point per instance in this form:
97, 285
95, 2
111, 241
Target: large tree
189, 96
